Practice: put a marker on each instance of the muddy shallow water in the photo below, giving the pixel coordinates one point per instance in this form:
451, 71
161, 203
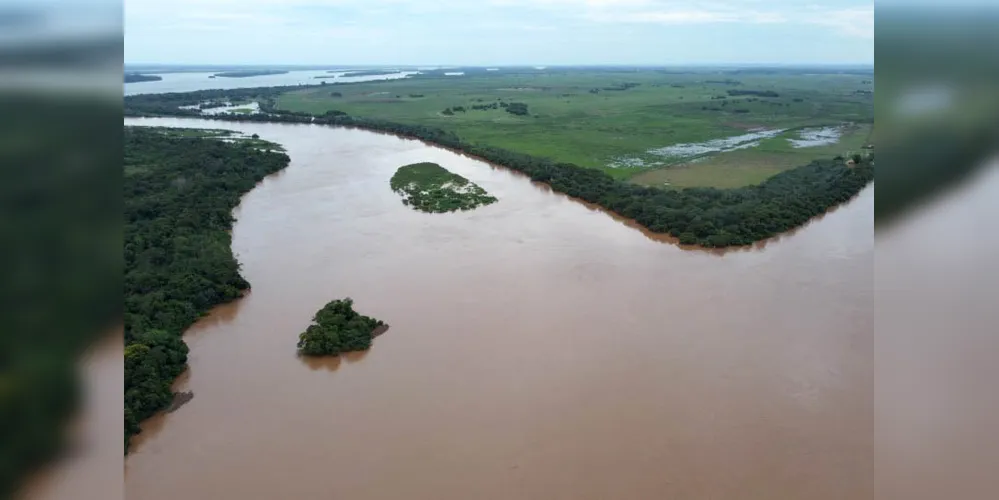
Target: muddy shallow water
539, 348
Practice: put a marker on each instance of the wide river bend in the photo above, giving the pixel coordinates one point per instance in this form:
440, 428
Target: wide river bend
539, 348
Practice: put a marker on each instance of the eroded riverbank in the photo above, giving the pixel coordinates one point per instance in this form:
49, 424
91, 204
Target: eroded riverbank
539, 348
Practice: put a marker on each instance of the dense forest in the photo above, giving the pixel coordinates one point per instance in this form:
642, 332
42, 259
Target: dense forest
179, 193
338, 328
138, 77
703, 216
428, 187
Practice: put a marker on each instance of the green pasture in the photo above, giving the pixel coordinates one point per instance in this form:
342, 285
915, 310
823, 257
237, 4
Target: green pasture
573, 117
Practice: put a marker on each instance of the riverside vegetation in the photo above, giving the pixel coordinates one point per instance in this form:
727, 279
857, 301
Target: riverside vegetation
428, 187
338, 328
705, 216
179, 193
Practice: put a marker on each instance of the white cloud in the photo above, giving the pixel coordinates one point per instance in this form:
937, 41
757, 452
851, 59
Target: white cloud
249, 27
852, 21
688, 16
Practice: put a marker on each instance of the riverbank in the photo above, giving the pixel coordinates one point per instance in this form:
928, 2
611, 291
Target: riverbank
179, 193
705, 217
520, 300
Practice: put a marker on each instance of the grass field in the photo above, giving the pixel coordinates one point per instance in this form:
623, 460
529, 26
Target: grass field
598, 118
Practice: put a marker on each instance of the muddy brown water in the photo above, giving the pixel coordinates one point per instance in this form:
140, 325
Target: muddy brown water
90, 467
539, 348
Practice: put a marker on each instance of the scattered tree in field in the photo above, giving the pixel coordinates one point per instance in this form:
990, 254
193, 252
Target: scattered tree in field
517, 108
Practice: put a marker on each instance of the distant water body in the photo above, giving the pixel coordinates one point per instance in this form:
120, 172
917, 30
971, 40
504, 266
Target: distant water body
190, 82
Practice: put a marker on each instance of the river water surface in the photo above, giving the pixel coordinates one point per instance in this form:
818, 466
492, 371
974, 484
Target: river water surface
538, 348
201, 80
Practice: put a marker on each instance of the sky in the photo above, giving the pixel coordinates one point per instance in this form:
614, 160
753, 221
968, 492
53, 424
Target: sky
499, 32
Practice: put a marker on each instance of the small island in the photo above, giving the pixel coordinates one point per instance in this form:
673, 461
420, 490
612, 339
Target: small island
338, 328
431, 188
139, 77
246, 73
364, 72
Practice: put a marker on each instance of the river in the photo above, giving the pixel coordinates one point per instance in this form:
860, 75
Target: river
539, 348
190, 81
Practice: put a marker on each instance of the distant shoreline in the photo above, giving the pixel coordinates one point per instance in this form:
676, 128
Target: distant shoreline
139, 78
248, 73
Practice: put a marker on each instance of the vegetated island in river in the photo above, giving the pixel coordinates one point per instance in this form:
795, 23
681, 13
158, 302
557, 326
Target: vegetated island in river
180, 188
138, 77
371, 72
431, 188
338, 328
248, 73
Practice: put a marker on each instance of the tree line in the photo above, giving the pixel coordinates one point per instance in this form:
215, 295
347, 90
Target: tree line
708, 217
761, 93
179, 193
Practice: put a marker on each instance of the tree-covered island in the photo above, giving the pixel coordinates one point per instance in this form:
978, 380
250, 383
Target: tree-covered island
338, 328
